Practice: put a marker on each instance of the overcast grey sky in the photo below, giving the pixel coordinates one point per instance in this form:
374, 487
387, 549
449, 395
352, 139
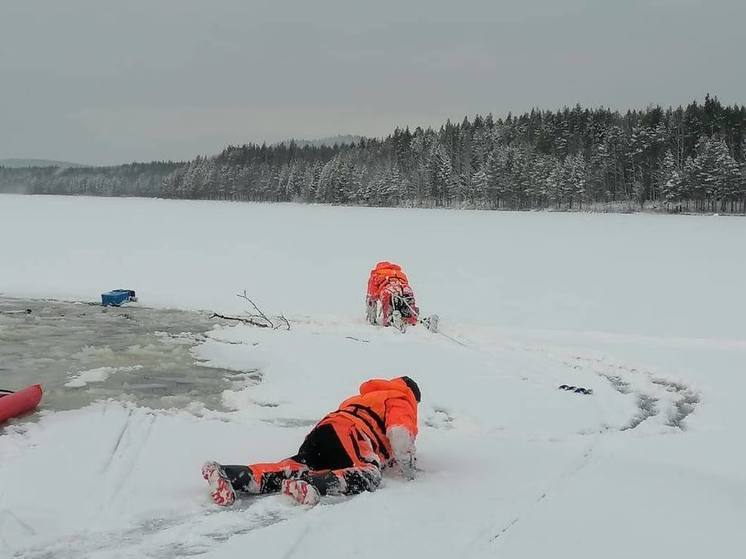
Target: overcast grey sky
103, 82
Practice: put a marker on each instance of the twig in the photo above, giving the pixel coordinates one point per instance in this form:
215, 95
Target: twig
249, 320
261, 320
285, 320
264, 316
357, 339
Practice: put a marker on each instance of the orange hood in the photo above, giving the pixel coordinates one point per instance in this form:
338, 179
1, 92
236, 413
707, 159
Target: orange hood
387, 265
395, 384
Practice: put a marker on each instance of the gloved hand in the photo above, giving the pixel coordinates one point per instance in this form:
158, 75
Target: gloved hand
402, 443
409, 467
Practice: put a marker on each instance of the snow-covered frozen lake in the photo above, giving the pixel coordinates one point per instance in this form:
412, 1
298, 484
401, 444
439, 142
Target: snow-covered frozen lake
648, 311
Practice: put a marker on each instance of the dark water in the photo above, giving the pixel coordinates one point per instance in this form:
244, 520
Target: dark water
81, 352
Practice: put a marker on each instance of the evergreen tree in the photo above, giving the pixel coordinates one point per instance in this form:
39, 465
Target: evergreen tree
669, 179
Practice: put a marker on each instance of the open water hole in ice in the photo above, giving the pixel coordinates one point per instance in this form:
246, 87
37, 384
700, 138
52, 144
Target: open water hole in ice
82, 352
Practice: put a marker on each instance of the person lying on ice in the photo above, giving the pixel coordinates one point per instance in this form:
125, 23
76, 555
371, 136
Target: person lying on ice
389, 290
343, 454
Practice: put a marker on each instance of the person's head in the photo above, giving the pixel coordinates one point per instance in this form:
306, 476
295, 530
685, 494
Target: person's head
412, 385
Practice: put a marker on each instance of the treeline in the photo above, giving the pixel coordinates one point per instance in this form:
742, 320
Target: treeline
683, 159
134, 179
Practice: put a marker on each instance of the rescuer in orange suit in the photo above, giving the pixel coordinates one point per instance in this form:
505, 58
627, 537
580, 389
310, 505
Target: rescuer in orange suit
389, 293
344, 454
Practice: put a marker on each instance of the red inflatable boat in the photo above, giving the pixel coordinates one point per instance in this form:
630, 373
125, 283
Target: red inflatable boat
17, 403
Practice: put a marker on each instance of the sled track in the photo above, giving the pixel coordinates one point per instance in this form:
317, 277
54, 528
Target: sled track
118, 442
565, 477
126, 452
7, 515
187, 535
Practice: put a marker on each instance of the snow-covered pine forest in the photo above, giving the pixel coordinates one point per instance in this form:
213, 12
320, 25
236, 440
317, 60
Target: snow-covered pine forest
684, 159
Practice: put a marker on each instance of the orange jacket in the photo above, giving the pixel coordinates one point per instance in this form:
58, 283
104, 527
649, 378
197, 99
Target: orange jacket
382, 407
382, 274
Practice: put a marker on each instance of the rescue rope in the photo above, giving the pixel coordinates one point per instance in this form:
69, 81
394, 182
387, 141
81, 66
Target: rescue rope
424, 322
462, 344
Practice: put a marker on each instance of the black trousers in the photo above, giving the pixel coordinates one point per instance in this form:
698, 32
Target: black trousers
321, 460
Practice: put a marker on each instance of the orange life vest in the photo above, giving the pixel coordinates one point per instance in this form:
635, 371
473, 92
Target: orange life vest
381, 404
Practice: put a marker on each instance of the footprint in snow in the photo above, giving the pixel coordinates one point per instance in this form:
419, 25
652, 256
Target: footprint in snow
439, 418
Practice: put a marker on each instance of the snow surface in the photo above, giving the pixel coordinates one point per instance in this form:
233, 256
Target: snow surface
645, 310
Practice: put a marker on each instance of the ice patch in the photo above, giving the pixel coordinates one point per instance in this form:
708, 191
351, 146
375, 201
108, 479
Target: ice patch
100, 374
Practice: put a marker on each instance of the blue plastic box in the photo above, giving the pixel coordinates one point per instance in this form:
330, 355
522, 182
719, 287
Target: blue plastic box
118, 296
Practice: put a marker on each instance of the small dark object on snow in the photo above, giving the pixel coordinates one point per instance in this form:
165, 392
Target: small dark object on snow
576, 389
117, 296
431, 322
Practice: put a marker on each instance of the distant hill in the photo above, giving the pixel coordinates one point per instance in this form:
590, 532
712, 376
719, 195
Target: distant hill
330, 141
19, 163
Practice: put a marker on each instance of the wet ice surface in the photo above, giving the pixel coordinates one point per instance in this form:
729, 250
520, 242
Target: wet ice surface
82, 352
